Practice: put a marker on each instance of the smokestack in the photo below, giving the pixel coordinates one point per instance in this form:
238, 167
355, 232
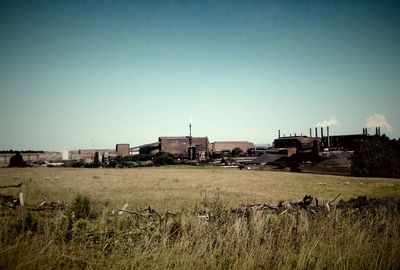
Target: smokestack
376, 131
322, 132
190, 137
327, 134
279, 133
310, 133
379, 129
316, 132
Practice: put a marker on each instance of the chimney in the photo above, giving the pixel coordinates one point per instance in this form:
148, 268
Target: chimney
310, 133
279, 133
376, 131
327, 134
322, 132
316, 132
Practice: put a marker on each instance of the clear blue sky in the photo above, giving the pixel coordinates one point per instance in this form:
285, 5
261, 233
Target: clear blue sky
130, 71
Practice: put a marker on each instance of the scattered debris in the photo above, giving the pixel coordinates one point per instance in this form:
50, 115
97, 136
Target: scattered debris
286, 207
49, 206
148, 213
306, 204
9, 201
121, 211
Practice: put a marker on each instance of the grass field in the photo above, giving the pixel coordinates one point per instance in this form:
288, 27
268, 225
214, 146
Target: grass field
171, 188
90, 234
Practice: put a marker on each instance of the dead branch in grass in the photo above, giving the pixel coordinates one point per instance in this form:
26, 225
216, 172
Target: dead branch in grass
12, 186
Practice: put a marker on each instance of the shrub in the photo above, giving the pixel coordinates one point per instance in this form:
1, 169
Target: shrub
236, 152
147, 163
28, 222
163, 158
81, 207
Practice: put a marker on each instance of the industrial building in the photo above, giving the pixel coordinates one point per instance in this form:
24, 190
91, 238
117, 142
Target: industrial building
145, 149
184, 147
220, 147
179, 146
48, 157
295, 144
88, 155
348, 142
122, 149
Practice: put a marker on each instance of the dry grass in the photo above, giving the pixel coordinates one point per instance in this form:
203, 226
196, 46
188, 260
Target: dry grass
171, 188
368, 239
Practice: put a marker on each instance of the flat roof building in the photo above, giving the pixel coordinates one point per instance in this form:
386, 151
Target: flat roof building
122, 149
221, 146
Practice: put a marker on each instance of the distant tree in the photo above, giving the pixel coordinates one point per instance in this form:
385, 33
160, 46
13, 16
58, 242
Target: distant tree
95, 164
77, 164
379, 157
17, 161
236, 151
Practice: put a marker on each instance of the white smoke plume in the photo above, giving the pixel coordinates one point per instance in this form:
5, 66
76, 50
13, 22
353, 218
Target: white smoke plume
377, 120
191, 120
330, 122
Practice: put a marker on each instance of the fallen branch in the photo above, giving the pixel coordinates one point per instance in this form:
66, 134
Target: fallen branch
281, 208
49, 206
335, 198
12, 186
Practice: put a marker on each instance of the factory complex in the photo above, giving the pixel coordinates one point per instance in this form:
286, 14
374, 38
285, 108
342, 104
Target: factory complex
200, 149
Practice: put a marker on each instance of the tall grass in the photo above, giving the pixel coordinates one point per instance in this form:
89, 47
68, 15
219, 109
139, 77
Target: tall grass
91, 235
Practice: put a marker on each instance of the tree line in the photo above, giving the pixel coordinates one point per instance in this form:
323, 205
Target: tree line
379, 157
